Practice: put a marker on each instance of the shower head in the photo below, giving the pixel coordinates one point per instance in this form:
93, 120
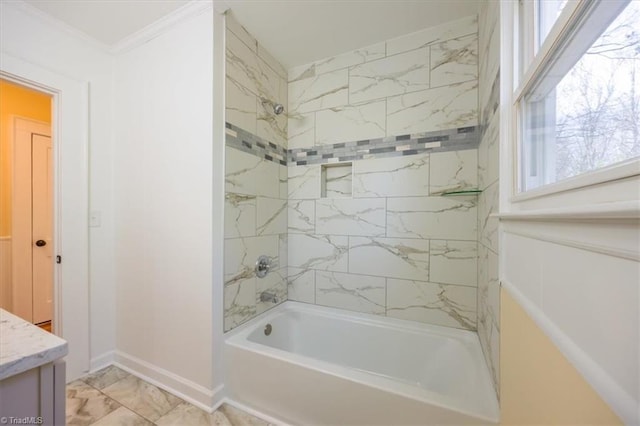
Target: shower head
277, 108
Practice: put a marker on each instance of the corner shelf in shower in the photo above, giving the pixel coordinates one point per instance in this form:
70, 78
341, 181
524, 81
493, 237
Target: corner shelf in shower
459, 193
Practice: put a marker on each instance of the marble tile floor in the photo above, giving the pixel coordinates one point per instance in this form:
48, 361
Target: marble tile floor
112, 396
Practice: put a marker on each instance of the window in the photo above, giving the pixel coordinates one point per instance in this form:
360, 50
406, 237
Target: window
578, 100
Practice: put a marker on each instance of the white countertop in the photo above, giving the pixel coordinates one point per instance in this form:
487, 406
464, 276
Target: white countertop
24, 346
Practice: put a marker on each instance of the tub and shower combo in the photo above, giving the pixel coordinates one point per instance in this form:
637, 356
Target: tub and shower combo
306, 364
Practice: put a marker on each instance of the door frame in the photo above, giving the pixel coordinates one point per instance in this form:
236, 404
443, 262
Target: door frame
20, 125
70, 130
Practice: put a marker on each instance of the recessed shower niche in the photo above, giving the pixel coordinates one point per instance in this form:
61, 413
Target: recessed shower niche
336, 180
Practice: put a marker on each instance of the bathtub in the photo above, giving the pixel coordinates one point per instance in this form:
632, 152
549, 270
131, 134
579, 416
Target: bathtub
323, 366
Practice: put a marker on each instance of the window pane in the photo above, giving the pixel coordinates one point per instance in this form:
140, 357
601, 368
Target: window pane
548, 12
591, 118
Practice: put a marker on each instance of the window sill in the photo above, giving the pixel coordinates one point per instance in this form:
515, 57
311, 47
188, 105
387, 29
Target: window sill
612, 173
616, 211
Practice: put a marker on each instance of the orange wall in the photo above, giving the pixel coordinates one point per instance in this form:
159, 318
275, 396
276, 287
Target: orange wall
538, 385
15, 101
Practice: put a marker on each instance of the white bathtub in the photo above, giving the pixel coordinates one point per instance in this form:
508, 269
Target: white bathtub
327, 366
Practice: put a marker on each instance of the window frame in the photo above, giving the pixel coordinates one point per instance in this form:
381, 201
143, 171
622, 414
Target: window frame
530, 63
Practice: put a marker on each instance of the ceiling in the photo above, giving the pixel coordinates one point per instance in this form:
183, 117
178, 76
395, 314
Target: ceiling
108, 21
296, 32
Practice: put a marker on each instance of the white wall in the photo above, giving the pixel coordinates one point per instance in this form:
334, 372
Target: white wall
571, 260
29, 36
163, 168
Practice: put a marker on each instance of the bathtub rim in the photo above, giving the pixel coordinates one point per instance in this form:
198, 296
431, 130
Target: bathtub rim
238, 338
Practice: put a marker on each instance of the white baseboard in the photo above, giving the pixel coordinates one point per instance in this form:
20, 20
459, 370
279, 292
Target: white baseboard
249, 410
101, 361
191, 392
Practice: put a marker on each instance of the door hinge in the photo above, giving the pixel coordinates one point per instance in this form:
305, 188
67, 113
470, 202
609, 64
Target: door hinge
58, 259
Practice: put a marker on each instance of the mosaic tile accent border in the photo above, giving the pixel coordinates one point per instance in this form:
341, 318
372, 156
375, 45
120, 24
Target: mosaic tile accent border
252, 144
462, 138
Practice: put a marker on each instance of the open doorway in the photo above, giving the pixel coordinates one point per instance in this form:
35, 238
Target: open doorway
26, 204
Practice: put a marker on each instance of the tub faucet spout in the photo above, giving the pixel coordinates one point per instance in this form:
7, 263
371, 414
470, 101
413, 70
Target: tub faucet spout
268, 296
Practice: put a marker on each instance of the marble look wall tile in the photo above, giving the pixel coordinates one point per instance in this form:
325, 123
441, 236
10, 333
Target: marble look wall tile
405, 73
301, 72
453, 171
325, 252
239, 303
354, 57
304, 182
283, 250
239, 31
271, 216
350, 123
248, 174
394, 177
320, 92
358, 293
302, 285
389, 257
241, 255
453, 262
271, 61
349, 216
447, 305
488, 204
449, 30
337, 181
240, 106
275, 282
302, 128
239, 215
249, 70
489, 310
241, 62
441, 108
488, 154
446, 218
270, 126
284, 181
301, 217
454, 61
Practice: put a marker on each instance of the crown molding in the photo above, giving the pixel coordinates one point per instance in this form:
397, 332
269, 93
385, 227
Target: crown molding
162, 25
56, 23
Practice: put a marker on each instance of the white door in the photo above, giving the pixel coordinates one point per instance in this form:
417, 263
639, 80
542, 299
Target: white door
32, 221
42, 227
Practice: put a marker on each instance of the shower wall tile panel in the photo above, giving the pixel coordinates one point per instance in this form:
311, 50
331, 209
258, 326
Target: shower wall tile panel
302, 285
441, 108
256, 177
433, 35
322, 91
351, 123
488, 176
390, 257
447, 305
404, 73
320, 252
392, 177
380, 238
453, 171
454, 61
452, 218
351, 216
352, 292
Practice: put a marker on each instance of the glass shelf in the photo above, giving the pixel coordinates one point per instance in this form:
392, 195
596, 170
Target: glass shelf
459, 193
